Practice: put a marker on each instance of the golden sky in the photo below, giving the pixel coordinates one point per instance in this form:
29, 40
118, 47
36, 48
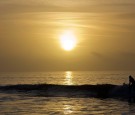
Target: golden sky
30, 33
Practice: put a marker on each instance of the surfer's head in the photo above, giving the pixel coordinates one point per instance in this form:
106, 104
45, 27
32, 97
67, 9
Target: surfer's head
130, 76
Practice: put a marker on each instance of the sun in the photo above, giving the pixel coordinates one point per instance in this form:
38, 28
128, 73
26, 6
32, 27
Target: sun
68, 40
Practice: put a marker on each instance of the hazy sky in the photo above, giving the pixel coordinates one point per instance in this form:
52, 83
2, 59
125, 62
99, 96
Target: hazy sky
30, 30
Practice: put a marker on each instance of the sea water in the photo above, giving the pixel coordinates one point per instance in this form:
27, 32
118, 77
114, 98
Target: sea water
14, 103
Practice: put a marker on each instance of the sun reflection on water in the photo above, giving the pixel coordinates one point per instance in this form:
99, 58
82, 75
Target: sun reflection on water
68, 78
67, 109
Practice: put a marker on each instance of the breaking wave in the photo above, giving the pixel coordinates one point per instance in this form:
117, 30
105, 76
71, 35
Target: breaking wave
100, 90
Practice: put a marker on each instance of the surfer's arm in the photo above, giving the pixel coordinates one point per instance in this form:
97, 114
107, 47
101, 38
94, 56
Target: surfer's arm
130, 83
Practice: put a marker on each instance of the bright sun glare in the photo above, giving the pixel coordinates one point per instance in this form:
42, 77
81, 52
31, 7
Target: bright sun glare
68, 40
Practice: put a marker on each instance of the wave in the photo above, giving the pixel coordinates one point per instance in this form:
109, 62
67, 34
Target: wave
100, 90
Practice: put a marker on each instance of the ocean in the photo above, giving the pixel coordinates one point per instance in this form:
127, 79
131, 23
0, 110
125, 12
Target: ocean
18, 97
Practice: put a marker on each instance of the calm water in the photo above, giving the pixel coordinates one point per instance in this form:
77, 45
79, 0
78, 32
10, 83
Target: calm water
24, 104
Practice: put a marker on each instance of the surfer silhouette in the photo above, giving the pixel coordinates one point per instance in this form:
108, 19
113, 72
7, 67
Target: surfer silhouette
131, 83
131, 89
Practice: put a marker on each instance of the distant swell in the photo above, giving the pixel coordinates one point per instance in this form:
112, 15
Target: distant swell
101, 91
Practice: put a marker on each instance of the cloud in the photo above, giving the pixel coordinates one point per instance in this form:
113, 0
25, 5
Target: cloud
66, 5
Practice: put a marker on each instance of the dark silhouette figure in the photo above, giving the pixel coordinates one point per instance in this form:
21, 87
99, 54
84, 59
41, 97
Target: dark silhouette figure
131, 89
131, 82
